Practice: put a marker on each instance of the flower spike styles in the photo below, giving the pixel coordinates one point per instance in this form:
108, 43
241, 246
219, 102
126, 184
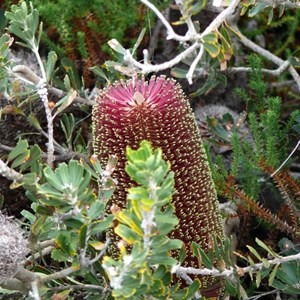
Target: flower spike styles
158, 111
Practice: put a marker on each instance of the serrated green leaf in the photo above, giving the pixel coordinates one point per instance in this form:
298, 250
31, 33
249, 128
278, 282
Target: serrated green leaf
164, 245
139, 40
212, 49
254, 252
96, 209
29, 179
130, 220
230, 288
178, 72
272, 275
20, 148
61, 177
38, 223
102, 225
124, 293
265, 247
204, 258
270, 16
34, 121
179, 294
115, 45
34, 161
211, 38
22, 158
165, 228
196, 7
59, 255
160, 272
73, 223
281, 9
50, 65
67, 83
28, 215
66, 241
83, 236
99, 72
76, 175
291, 269
260, 6
258, 278
72, 80
182, 254
127, 234
162, 260
44, 210
67, 101
193, 289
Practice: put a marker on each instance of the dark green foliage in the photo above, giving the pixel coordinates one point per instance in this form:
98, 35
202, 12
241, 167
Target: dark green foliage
261, 153
67, 21
264, 115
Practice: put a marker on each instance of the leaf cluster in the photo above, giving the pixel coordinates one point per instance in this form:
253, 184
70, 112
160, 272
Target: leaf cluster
144, 268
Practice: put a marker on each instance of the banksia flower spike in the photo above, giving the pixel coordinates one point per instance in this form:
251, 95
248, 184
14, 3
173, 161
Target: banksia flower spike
127, 113
13, 248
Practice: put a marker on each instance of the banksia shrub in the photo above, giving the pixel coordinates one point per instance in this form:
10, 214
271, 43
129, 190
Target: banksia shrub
13, 248
158, 111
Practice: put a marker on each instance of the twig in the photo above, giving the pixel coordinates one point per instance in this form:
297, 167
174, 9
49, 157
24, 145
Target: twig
34, 293
60, 274
41, 253
171, 34
28, 76
188, 20
43, 92
6, 148
269, 55
80, 287
191, 36
276, 73
68, 271
189, 75
189, 281
147, 68
230, 272
285, 161
102, 252
217, 22
9, 173
261, 295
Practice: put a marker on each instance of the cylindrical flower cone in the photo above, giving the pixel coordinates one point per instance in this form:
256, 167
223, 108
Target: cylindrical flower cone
158, 111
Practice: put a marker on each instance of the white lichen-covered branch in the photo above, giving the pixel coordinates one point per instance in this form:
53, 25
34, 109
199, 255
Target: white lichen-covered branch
282, 65
192, 37
181, 271
193, 44
9, 173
